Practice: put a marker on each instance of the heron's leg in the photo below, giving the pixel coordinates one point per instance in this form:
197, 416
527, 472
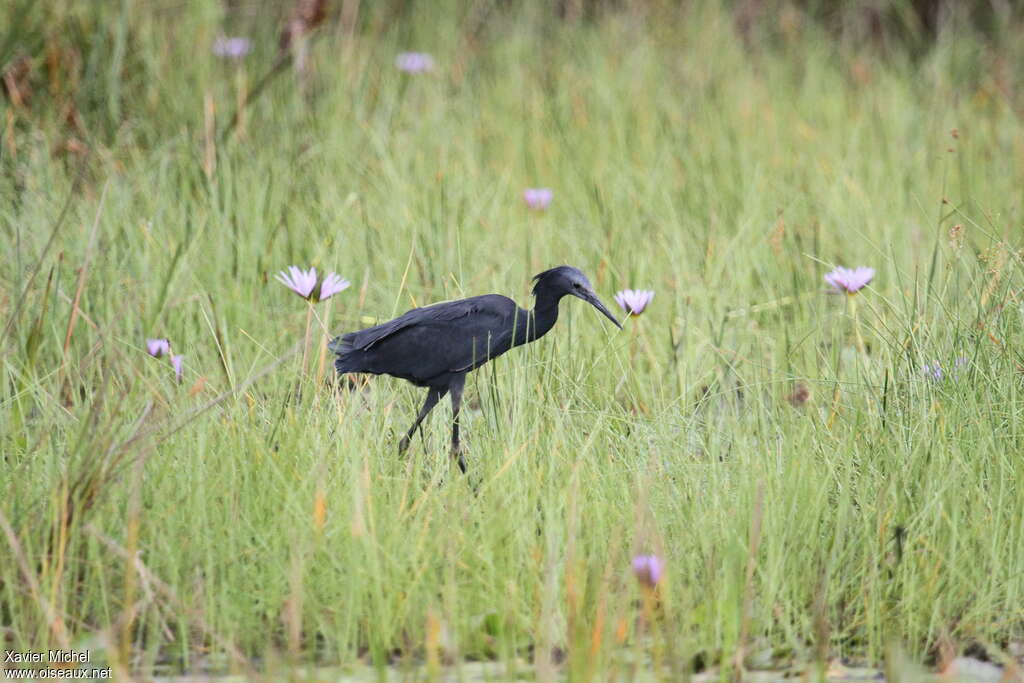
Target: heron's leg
433, 396
456, 388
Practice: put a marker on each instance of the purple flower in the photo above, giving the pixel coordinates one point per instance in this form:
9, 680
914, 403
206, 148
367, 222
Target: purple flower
634, 301
232, 48
850, 280
414, 62
304, 283
647, 569
538, 197
331, 285
934, 371
177, 363
158, 347
299, 281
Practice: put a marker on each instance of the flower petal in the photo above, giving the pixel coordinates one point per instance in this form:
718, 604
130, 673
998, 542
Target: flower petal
634, 301
232, 48
849, 280
414, 62
158, 347
178, 363
538, 197
648, 569
332, 284
299, 281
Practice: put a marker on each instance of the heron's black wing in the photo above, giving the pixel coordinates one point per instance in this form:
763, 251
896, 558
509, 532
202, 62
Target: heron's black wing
364, 339
433, 341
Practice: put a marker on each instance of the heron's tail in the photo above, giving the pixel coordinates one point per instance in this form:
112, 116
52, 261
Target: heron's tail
347, 356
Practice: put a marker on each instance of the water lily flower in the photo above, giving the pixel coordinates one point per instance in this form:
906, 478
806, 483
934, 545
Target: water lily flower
647, 569
177, 362
538, 198
634, 301
158, 347
304, 283
850, 280
232, 48
414, 62
299, 281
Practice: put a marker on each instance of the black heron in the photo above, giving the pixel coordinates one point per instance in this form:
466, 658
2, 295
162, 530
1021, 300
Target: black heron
436, 346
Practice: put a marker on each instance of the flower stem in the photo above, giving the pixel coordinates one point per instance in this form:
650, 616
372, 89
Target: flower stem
650, 605
305, 345
851, 302
324, 339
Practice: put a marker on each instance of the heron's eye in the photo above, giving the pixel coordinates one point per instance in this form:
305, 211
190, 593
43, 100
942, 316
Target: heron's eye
576, 285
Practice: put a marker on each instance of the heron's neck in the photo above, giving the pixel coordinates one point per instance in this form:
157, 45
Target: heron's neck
541, 319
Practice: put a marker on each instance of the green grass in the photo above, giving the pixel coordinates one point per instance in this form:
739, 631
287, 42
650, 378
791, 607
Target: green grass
884, 513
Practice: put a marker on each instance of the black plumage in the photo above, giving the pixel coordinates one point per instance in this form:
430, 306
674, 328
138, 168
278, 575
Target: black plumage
436, 346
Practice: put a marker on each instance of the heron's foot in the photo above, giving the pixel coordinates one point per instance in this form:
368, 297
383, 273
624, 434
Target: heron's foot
458, 455
403, 444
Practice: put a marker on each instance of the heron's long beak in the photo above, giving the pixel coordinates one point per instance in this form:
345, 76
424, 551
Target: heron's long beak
591, 298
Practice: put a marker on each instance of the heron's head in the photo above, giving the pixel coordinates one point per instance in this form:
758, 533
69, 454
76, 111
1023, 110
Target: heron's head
564, 280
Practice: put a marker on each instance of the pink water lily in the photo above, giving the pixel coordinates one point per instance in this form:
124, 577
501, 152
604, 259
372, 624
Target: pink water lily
634, 301
305, 283
299, 281
648, 569
158, 347
414, 62
850, 280
538, 198
232, 48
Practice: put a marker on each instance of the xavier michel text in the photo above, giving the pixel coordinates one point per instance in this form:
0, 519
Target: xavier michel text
49, 657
